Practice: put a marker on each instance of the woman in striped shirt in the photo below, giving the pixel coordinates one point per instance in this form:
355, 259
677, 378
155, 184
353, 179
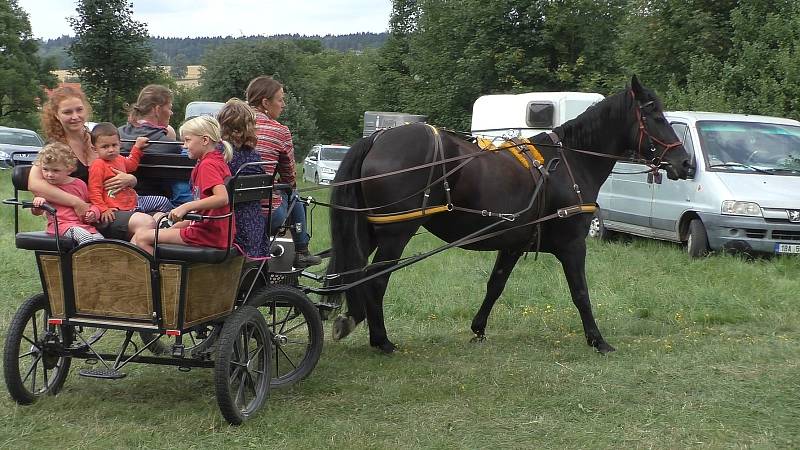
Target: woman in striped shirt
274, 144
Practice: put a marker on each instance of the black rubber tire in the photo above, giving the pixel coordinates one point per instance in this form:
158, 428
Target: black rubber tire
598, 231
297, 332
316, 178
25, 342
242, 369
697, 242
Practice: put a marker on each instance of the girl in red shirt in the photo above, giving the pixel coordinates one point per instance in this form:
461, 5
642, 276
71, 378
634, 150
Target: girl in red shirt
201, 136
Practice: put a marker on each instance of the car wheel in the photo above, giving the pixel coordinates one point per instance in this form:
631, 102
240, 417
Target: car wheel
697, 243
316, 178
598, 231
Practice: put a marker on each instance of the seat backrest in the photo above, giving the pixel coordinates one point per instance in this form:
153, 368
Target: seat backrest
20, 177
246, 188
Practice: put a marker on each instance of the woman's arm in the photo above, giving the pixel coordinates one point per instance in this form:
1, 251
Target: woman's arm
217, 199
41, 188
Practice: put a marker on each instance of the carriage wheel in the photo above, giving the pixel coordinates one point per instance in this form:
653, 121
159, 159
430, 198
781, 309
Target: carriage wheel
242, 368
31, 366
297, 332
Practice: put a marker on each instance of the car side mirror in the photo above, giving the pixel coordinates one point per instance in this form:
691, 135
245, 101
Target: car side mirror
312, 158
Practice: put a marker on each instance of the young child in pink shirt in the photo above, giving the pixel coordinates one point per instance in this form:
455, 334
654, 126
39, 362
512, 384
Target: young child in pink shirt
57, 163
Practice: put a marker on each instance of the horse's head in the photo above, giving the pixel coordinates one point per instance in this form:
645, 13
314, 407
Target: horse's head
654, 138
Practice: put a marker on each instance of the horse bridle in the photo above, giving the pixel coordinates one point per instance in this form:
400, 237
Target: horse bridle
656, 161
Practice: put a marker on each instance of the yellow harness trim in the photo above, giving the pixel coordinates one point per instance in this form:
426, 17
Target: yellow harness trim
515, 148
390, 218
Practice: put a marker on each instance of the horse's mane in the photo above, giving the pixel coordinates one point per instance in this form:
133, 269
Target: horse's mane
599, 119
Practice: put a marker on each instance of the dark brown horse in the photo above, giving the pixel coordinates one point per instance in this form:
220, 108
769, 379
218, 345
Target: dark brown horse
479, 190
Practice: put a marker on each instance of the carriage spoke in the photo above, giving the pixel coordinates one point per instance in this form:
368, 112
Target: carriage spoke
32, 369
35, 328
25, 355
44, 375
299, 325
33, 343
286, 356
240, 390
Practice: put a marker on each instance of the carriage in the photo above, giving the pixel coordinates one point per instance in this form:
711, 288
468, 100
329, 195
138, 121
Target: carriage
190, 307
206, 302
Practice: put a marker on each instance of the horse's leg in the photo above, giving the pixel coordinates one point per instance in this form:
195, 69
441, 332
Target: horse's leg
503, 265
574, 264
391, 243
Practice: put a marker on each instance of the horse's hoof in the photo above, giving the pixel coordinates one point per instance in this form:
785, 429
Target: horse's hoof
605, 349
386, 348
478, 339
342, 326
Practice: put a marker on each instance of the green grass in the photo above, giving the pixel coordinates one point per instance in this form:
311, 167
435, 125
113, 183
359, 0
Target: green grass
708, 356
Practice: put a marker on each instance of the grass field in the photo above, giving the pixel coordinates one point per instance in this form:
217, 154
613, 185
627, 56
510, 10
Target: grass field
708, 356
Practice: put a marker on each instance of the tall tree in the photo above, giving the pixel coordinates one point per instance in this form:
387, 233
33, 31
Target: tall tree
110, 54
22, 73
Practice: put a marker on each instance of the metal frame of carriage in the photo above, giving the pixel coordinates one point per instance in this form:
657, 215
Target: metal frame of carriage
192, 307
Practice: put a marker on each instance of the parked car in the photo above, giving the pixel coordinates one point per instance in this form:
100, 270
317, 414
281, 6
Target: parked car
194, 109
18, 140
744, 194
322, 162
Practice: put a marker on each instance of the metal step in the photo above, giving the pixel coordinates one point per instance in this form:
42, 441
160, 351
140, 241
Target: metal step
101, 372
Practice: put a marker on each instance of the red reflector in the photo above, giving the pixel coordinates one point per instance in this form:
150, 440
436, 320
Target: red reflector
52, 321
173, 332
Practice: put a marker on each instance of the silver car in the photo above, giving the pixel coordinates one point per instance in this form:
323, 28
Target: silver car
20, 143
744, 194
322, 162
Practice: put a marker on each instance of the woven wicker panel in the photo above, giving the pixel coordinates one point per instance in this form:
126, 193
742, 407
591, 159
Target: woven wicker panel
170, 293
211, 290
112, 281
51, 272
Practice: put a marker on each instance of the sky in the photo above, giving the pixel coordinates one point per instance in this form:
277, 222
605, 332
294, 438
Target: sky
198, 18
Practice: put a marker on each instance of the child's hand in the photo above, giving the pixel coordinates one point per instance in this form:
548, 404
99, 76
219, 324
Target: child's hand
176, 215
90, 217
142, 142
108, 215
38, 201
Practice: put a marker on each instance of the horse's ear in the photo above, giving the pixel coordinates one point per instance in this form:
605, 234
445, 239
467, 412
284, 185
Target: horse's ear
636, 87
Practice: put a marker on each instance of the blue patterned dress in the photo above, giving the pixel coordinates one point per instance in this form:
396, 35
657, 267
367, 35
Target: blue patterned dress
250, 222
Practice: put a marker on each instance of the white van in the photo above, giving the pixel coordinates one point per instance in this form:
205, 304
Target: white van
743, 196
525, 115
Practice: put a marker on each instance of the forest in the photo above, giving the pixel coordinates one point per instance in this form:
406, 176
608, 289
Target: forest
439, 56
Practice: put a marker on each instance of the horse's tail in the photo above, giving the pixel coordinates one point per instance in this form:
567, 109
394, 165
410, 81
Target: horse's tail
351, 235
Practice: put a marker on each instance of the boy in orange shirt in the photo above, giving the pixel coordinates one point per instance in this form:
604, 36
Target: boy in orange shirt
105, 139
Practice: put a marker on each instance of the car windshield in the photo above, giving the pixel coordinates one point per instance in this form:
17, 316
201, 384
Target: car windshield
751, 146
333, 153
17, 138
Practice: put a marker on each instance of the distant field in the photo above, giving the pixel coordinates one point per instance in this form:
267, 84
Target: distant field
708, 356
192, 77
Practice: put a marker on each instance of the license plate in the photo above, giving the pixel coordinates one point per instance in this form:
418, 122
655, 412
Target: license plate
787, 248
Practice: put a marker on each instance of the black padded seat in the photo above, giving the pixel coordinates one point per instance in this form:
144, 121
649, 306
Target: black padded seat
192, 253
40, 240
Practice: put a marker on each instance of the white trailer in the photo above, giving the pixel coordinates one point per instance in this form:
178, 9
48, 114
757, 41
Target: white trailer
525, 115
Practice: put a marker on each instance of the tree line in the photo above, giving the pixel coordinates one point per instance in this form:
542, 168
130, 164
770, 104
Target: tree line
439, 56
167, 51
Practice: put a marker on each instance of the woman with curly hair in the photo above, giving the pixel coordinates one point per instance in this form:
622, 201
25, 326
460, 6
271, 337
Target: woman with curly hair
63, 119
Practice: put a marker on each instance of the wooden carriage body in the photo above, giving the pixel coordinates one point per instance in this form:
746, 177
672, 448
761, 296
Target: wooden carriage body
114, 284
